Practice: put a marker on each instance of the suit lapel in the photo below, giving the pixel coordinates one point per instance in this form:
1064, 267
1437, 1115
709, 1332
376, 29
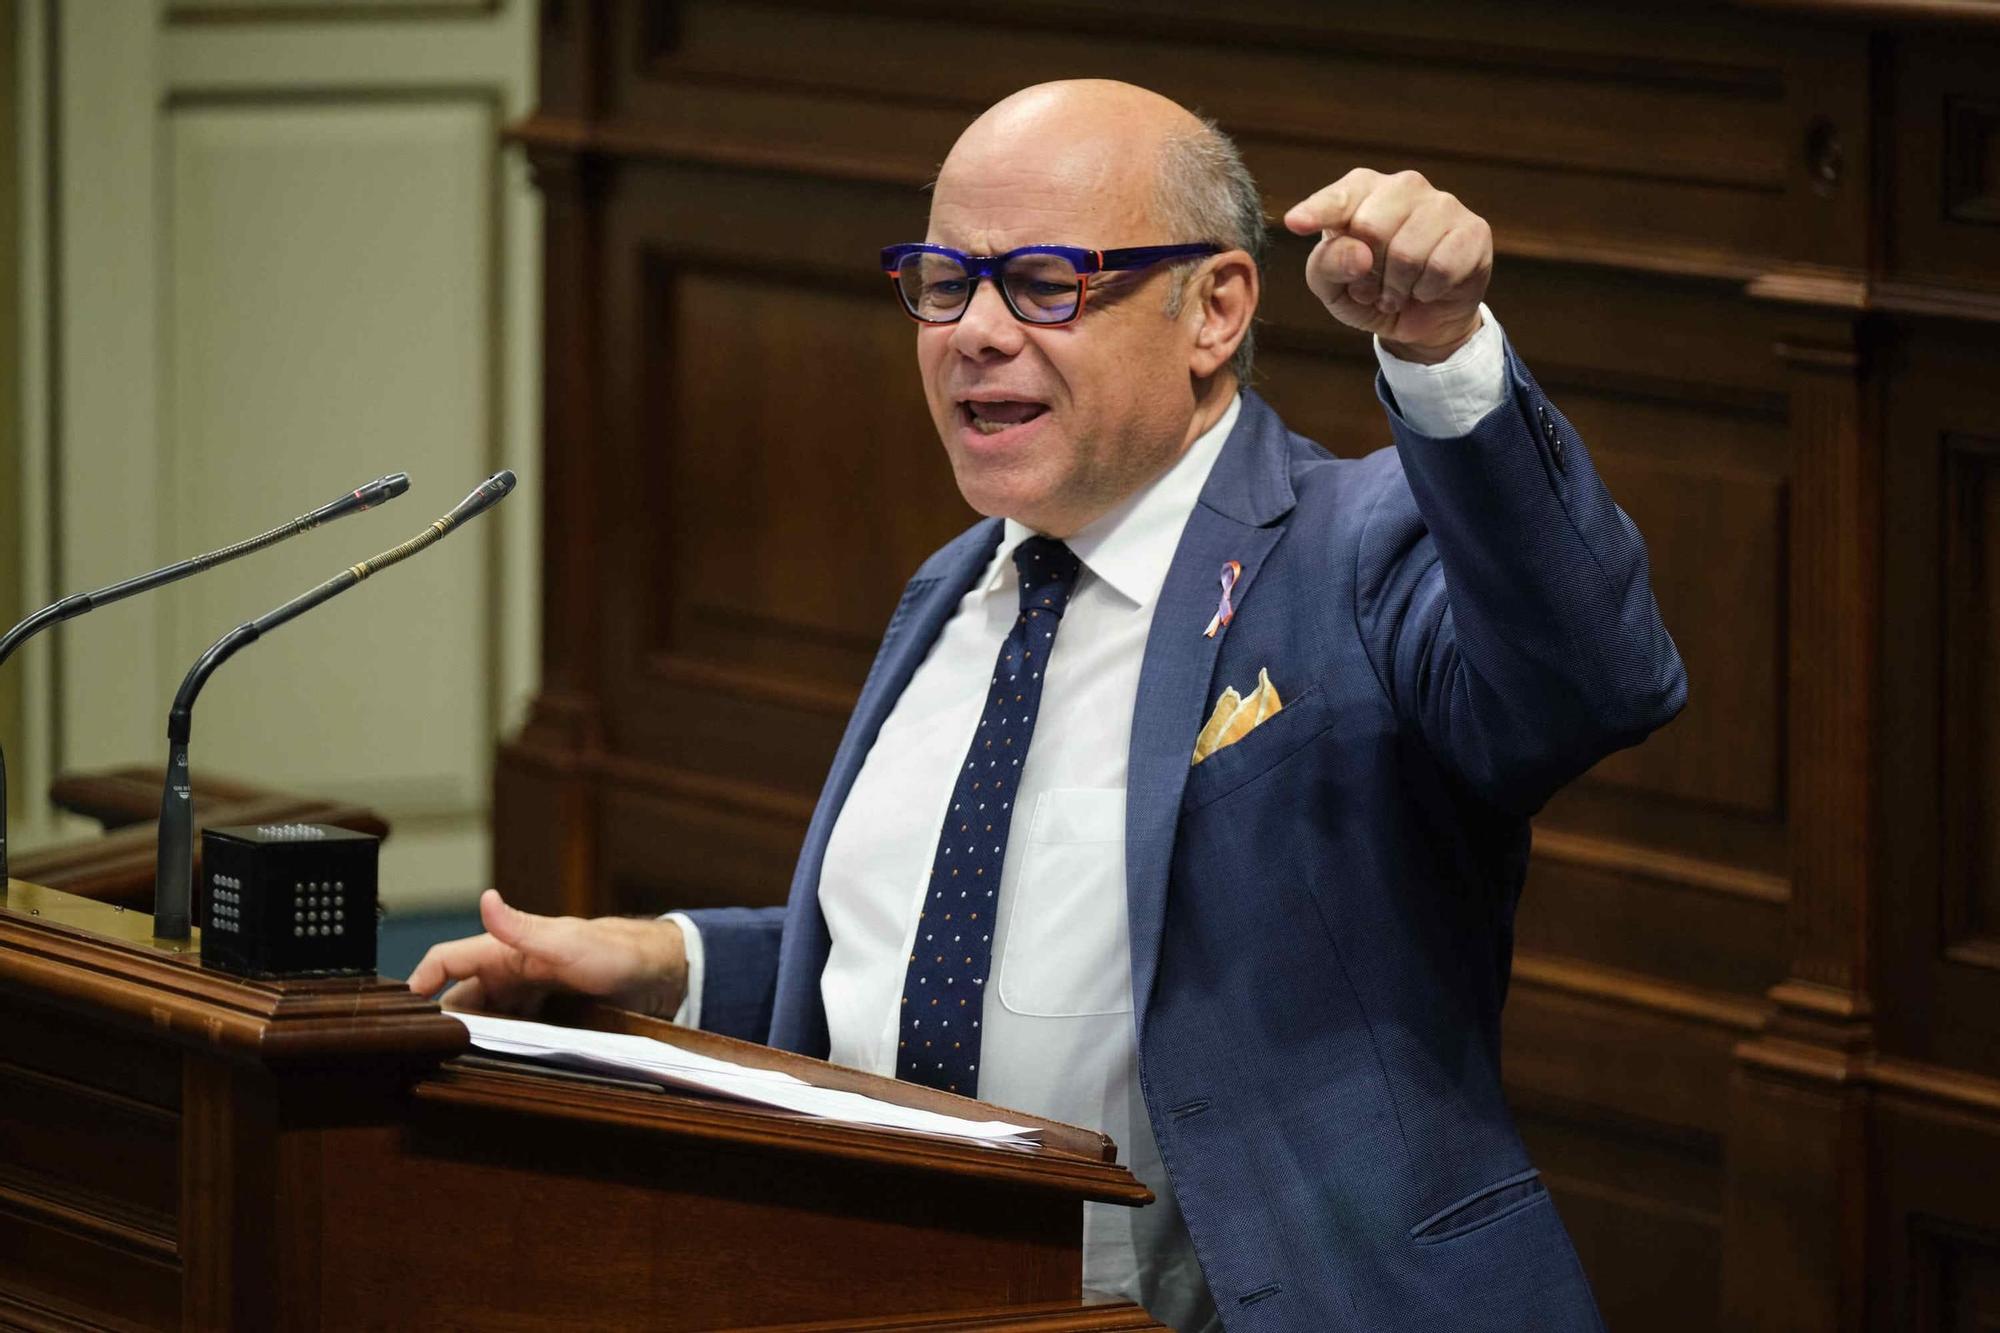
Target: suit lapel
1237, 519
798, 1022
927, 604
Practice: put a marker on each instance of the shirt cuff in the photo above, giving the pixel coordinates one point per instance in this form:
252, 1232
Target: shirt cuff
1448, 399
689, 1014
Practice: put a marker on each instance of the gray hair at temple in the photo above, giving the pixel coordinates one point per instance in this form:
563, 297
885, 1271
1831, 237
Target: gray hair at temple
1207, 194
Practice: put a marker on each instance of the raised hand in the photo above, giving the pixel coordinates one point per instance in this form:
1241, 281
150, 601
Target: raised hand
522, 958
1399, 258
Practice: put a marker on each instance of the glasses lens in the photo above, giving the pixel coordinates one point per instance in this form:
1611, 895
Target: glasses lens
934, 287
1042, 288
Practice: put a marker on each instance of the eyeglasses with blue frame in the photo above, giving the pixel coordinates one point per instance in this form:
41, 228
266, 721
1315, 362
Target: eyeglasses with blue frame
1041, 284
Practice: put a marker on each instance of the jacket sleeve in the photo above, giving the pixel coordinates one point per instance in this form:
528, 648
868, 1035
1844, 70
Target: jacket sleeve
740, 968
1506, 604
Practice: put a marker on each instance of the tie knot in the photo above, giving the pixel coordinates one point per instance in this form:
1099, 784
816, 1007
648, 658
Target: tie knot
1048, 573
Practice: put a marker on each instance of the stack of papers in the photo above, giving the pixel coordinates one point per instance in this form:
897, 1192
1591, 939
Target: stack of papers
661, 1062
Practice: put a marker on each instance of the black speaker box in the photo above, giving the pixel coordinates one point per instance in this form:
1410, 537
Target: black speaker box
288, 900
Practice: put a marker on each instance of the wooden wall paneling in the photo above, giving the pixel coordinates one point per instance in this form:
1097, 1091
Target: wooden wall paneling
1673, 164
1795, 1205
1746, 250
1938, 1224
731, 657
1945, 226
734, 612
1828, 143
1971, 642
734, 843
1941, 776
1621, 1086
1835, 599
1793, 1210
539, 782
570, 48
1583, 901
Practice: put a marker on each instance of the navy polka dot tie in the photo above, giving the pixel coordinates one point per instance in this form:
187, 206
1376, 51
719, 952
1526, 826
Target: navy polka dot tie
953, 950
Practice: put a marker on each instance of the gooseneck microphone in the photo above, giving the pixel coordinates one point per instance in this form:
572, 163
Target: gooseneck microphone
69, 608
174, 879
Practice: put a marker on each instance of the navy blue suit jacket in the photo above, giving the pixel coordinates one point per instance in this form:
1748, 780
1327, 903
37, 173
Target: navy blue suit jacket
1321, 914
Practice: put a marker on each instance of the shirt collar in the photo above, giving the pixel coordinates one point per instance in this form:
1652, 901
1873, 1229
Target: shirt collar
1130, 548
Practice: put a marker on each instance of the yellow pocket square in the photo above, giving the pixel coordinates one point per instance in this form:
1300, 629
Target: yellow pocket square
1236, 716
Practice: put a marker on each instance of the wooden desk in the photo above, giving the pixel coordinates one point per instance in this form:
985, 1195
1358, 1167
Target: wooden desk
182, 1148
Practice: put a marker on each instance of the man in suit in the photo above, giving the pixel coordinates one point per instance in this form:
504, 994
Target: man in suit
1273, 779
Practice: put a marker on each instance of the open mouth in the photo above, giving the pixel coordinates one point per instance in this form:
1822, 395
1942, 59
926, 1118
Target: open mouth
991, 418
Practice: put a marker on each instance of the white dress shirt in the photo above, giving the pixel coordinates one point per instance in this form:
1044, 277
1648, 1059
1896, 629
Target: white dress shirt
1057, 1033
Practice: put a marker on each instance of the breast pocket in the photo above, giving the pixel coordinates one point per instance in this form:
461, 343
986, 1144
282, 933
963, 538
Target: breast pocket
1068, 950
1273, 741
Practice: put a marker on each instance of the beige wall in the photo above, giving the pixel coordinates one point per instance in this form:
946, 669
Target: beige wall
10, 378
276, 256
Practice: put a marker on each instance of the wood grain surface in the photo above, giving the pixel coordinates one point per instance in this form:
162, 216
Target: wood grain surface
1752, 248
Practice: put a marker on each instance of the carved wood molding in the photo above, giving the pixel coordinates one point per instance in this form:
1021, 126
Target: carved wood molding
550, 137
675, 1115
101, 960
747, 683
1735, 1013
1936, 300
680, 784
1098, 1314
1360, 31
1812, 1063
1846, 290
1963, 13
551, 140
1669, 867
145, 1235
1935, 1083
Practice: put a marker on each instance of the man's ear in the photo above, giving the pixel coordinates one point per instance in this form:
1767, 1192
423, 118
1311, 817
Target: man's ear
1225, 300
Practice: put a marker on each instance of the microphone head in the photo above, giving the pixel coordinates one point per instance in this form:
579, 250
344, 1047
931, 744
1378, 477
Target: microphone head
379, 491
487, 494
383, 488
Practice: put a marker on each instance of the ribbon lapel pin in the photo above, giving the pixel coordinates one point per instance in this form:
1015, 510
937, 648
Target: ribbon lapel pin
1232, 570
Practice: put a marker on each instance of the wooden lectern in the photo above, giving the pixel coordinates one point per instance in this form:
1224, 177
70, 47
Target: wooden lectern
184, 1148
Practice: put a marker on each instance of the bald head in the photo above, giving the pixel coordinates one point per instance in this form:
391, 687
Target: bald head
1155, 171
1086, 137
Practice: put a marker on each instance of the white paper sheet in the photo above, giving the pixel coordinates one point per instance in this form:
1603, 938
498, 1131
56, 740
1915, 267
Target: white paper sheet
664, 1063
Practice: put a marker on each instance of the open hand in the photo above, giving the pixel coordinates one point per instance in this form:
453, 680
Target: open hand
522, 958
1399, 258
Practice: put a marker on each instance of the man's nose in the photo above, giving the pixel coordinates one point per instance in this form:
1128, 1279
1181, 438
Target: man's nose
988, 327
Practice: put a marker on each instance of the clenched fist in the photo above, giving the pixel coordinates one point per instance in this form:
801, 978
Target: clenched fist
1399, 258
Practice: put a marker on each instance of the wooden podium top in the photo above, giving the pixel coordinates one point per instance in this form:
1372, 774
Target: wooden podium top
189, 1148
102, 959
